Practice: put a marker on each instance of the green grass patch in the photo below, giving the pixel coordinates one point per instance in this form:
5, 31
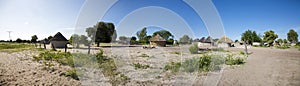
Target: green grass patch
203, 63
140, 66
15, 47
144, 55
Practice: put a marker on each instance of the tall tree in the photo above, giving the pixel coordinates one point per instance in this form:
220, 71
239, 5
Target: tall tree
185, 39
83, 40
74, 40
269, 37
292, 36
34, 39
250, 36
104, 32
91, 33
164, 34
142, 34
280, 41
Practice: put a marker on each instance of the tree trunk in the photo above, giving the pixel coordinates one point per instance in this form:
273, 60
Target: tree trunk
66, 47
98, 44
89, 50
44, 46
246, 50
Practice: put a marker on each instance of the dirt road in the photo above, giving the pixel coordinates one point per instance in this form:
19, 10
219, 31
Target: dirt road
265, 67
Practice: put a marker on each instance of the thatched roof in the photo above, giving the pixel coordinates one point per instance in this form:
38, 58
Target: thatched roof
208, 40
58, 37
225, 39
157, 38
202, 40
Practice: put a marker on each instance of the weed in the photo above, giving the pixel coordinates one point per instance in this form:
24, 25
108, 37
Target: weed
178, 53
233, 61
193, 49
144, 55
72, 73
140, 66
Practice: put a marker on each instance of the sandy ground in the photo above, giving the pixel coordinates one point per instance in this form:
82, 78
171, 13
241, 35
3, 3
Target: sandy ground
265, 67
19, 69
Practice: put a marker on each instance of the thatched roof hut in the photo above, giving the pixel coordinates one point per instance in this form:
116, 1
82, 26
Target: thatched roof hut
202, 39
225, 39
157, 40
58, 41
209, 40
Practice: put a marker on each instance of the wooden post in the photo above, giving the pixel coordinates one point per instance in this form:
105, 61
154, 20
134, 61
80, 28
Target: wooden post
246, 50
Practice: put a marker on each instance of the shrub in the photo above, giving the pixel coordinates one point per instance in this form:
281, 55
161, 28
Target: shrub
233, 61
143, 55
173, 67
193, 49
242, 53
140, 66
285, 46
72, 73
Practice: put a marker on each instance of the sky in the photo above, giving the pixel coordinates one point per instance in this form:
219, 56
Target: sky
47, 17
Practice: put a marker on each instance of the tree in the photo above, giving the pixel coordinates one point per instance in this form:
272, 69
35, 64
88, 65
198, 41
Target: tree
284, 41
50, 37
164, 34
236, 41
123, 38
34, 39
19, 40
250, 36
91, 32
280, 41
74, 40
270, 36
83, 40
185, 39
104, 32
142, 34
292, 36
133, 38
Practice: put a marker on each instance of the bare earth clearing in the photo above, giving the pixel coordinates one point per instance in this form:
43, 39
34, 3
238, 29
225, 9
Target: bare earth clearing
264, 67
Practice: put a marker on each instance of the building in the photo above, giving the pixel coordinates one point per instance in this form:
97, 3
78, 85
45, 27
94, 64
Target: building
225, 42
157, 40
58, 41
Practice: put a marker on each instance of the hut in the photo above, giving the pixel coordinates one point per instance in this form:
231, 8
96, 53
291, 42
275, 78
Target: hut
225, 42
58, 41
205, 44
157, 40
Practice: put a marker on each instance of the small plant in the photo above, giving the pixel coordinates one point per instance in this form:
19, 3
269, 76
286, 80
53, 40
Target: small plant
233, 61
72, 73
144, 55
173, 67
242, 53
193, 49
140, 66
285, 46
178, 53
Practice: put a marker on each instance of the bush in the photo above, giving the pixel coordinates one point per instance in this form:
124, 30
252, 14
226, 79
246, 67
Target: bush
197, 64
173, 67
283, 46
140, 66
72, 73
242, 53
233, 61
193, 49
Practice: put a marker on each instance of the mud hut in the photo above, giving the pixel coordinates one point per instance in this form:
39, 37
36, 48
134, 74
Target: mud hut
58, 41
225, 42
157, 40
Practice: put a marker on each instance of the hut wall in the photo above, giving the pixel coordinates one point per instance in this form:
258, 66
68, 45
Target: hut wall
59, 44
158, 43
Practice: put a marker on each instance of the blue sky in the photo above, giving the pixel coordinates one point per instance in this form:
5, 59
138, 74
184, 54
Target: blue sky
46, 17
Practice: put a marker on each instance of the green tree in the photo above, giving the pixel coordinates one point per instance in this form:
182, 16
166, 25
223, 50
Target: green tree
284, 41
280, 41
104, 32
123, 38
185, 39
74, 40
164, 34
91, 33
142, 34
269, 37
19, 40
250, 36
34, 39
83, 40
50, 37
292, 36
